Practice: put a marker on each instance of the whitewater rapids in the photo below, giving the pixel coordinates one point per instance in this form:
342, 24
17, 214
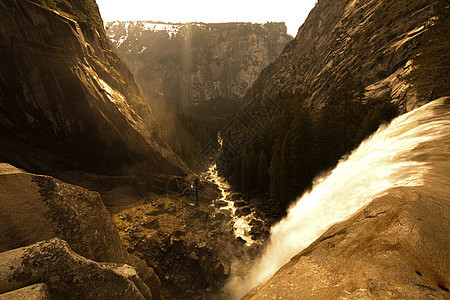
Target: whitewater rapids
397, 155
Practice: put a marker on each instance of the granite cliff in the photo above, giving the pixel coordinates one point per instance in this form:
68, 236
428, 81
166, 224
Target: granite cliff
377, 42
70, 108
353, 66
67, 102
192, 63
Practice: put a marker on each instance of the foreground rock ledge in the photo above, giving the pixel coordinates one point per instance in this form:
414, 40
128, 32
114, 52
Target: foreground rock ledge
34, 208
38, 291
67, 274
398, 247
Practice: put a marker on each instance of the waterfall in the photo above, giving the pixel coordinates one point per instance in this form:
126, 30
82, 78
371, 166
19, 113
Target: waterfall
398, 155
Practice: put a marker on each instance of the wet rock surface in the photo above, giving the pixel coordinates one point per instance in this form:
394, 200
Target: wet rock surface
192, 250
397, 247
266, 212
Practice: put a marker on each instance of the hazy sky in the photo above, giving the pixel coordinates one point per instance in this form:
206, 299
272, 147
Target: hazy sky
292, 12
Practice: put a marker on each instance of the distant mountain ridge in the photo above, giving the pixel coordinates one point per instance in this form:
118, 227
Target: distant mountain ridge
190, 63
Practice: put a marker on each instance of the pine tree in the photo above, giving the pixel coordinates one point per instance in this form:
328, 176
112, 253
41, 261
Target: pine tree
252, 168
263, 180
286, 171
245, 172
236, 178
274, 172
301, 153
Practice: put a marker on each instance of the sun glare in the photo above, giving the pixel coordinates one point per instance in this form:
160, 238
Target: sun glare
292, 12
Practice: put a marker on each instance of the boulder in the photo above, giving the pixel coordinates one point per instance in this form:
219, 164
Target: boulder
38, 291
239, 203
220, 203
240, 240
35, 208
148, 275
201, 245
154, 224
223, 215
235, 196
243, 211
67, 274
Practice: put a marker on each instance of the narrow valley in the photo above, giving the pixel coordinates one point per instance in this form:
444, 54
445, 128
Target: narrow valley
221, 157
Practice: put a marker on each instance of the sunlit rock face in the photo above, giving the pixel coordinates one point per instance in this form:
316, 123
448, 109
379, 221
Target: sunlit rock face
66, 99
374, 41
192, 63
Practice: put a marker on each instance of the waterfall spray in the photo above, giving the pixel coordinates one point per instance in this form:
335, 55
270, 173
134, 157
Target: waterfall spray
385, 160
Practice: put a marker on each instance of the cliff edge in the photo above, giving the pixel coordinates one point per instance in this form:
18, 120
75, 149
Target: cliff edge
67, 102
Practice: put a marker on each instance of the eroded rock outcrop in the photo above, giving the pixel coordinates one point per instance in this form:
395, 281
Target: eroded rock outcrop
34, 208
38, 291
67, 274
374, 41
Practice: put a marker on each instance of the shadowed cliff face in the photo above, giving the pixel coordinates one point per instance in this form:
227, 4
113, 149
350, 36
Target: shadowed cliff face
67, 102
197, 62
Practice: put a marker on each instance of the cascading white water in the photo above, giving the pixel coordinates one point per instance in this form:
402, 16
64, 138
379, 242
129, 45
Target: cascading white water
241, 225
386, 160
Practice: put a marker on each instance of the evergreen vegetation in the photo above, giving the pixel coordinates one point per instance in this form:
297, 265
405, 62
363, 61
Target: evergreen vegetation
263, 179
301, 144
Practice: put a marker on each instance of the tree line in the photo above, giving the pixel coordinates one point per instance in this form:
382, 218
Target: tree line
302, 143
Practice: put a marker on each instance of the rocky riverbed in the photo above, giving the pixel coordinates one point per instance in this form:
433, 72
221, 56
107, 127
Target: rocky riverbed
195, 245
